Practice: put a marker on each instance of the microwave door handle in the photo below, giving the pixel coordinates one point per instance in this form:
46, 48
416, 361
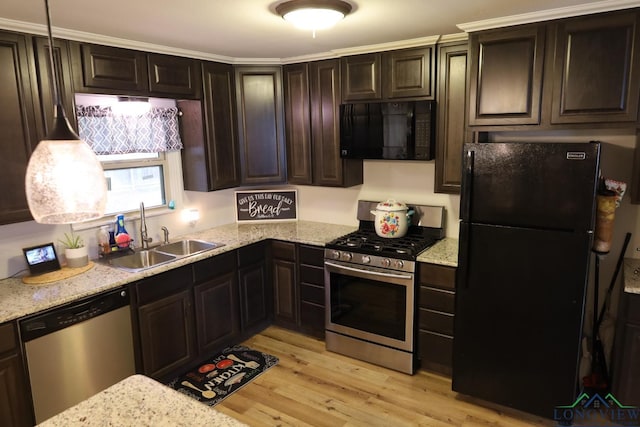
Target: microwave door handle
374, 273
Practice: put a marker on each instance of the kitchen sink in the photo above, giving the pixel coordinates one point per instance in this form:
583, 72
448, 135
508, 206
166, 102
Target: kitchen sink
141, 260
186, 247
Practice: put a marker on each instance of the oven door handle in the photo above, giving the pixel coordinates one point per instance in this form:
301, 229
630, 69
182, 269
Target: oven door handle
374, 273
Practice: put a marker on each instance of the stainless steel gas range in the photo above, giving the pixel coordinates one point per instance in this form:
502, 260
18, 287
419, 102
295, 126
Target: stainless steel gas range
370, 289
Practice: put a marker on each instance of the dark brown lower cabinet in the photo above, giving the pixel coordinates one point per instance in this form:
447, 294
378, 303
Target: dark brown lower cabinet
166, 333
216, 303
256, 290
15, 403
626, 386
285, 289
298, 280
311, 273
436, 311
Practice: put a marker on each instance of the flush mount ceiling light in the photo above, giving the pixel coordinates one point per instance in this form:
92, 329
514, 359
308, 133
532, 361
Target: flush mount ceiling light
132, 105
65, 182
313, 14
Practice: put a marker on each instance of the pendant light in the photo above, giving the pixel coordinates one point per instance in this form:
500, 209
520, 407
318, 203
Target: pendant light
313, 14
65, 182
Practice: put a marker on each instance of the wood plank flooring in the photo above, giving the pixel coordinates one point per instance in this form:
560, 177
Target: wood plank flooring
313, 387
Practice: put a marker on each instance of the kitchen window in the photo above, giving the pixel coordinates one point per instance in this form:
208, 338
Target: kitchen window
139, 154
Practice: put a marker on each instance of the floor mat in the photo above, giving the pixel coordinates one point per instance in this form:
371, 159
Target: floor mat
215, 379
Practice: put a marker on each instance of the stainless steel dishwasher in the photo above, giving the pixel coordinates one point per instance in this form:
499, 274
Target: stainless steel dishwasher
77, 350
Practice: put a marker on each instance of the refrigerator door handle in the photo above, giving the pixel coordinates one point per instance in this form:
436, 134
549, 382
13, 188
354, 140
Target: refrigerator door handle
462, 274
467, 183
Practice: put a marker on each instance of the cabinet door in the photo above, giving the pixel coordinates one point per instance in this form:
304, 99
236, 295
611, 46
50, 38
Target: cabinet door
256, 290
409, 73
18, 123
15, 403
361, 77
297, 123
166, 334
62, 63
506, 76
595, 75
174, 75
260, 125
111, 68
285, 286
452, 107
210, 156
329, 168
217, 317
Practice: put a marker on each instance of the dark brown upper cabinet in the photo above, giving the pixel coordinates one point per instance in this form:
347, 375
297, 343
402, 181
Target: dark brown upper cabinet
297, 123
506, 75
409, 73
312, 108
172, 75
62, 64
105, 69
260, 125
452, 107
112, 70
210, 159
361, 77
18, 122
595, 73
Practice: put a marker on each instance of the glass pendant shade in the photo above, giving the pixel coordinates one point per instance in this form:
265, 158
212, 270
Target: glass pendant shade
65, 182
313, 14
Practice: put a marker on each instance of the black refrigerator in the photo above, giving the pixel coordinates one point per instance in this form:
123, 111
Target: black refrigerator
526, 231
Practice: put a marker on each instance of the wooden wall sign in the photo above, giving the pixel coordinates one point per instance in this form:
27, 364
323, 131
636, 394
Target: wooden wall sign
266, 205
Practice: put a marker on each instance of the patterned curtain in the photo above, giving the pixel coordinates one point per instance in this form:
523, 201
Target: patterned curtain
110, 133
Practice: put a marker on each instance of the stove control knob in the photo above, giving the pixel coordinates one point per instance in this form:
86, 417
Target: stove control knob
347, 256
399, 264
386, 262
366, 259
335, 254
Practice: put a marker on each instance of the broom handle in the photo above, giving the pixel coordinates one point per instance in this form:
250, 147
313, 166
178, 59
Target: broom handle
607, 299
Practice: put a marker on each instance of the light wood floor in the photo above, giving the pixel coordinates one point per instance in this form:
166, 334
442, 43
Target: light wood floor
313, 387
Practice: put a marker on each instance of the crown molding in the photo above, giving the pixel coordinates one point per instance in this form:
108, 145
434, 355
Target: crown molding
547, 15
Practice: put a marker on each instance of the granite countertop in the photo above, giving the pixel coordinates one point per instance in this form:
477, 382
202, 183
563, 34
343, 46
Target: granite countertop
18, 299
140, 401
631, 275
445, 252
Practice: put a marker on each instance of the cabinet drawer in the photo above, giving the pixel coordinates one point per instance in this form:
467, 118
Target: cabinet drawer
437, 299
436, 321
7, 337
313, 275
314, 294
312, 319
283, 250
164, 284
439, 276
435, 348
311, 255
214, 266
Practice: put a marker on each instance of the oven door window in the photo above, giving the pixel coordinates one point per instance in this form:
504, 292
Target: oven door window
369, 305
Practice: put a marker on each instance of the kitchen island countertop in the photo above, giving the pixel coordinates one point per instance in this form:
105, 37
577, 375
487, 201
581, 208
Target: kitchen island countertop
140, 401
631, 275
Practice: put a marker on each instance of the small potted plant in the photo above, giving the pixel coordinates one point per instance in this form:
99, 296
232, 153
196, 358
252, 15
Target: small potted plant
75, 251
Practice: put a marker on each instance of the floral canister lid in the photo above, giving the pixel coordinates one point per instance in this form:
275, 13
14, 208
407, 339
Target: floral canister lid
391, 205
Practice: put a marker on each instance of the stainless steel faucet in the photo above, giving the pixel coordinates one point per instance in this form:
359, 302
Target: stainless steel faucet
165, 230
143, 229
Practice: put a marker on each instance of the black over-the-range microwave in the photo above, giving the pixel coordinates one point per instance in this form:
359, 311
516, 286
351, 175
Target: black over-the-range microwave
388, 130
